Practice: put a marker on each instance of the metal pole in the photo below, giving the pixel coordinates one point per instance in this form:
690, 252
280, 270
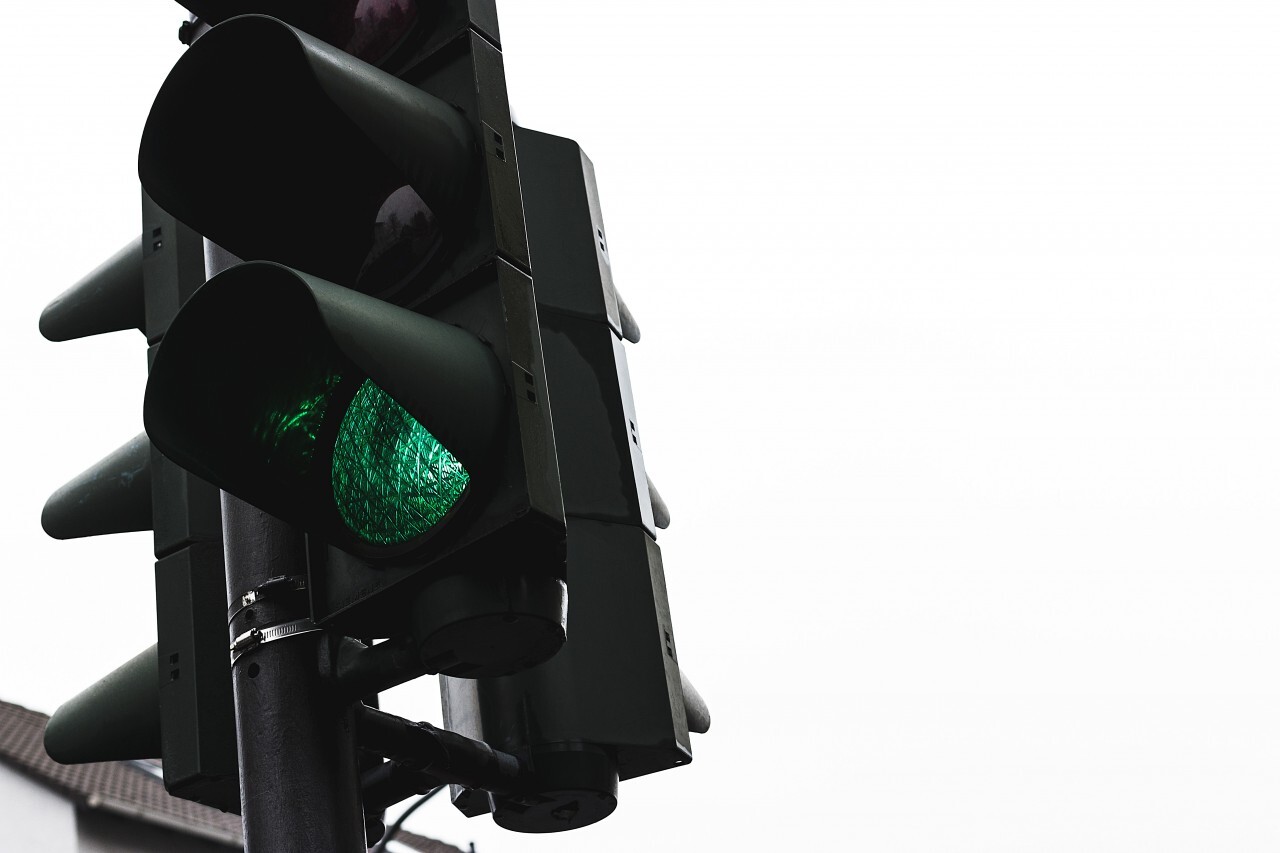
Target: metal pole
295, 734
299, 780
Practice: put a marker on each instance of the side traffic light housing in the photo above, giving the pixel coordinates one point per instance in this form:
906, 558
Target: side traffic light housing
173, 701
613, 704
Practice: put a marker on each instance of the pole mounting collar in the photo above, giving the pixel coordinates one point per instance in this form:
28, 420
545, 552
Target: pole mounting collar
255, 637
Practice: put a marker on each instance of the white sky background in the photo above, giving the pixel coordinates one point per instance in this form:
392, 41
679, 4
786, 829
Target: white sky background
960, 374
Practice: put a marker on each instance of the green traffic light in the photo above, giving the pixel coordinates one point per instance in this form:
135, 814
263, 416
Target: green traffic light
392, 479
359, 421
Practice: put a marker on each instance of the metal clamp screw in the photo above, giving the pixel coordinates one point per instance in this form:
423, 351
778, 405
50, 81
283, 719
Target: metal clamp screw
280, 585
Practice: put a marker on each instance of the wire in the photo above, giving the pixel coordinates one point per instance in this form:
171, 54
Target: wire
381, 846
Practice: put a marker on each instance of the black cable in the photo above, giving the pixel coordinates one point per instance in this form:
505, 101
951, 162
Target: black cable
381, 846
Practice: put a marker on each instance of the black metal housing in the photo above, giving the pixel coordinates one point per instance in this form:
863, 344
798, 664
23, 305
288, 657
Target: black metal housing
611, 704
197, 720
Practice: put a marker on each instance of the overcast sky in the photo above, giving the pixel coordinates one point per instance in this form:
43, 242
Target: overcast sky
960, 375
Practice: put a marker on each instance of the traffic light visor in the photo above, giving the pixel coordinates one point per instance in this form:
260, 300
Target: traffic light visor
279, 147
351, 417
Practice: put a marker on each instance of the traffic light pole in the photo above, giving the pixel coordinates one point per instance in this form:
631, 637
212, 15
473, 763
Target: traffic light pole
299, 780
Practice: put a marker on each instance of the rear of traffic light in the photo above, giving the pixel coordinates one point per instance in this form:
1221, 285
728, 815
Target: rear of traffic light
384, 391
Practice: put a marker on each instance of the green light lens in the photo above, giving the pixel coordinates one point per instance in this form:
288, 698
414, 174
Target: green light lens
392, 479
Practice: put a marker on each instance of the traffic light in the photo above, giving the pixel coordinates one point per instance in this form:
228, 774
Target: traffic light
373, 374
612, 704
173, 700
408, 308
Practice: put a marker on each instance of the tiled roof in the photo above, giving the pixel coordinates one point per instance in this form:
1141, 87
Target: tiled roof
126, 789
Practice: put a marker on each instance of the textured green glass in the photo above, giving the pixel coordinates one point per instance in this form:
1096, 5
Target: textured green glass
392, 480
288, 427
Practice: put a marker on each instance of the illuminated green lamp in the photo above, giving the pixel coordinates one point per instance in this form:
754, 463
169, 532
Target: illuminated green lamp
392, 479
353, 418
